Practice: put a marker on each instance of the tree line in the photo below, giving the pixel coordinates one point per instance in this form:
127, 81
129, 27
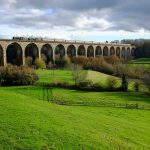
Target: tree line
142, 47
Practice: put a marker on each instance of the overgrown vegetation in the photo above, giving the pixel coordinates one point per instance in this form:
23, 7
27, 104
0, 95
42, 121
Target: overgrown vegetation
78, 74
98, 64
14, 75
146, 80
39, 64
62, 62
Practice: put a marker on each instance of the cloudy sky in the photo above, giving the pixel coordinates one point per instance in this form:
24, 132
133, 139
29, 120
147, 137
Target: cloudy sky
94, 20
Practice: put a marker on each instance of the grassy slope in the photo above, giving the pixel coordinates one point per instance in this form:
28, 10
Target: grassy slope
141, 62
83, 96
46, 76
29, 123
63, 75
59, 75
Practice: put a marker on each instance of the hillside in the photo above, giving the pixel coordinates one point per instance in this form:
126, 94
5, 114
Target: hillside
28, 122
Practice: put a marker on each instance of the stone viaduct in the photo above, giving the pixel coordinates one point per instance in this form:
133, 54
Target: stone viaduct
15, 51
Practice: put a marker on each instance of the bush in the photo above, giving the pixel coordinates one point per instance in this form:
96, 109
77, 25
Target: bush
124, 83
98, 87
80, 60
136, 86
113, 59
97, 64
65, 61
107, 68
62, 62
13, 75
78, 74
28, 61
131, 72
111, 83
43, 57
39, 64
50, 65
146, 80
85, 84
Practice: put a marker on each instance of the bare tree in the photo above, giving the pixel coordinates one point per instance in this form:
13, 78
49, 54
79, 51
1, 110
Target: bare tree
146, 80
78, 74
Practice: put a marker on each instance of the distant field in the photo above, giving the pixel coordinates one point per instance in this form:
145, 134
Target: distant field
46, 76
66, 76
141, 61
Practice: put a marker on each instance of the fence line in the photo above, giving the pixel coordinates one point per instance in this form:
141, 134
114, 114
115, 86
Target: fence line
99, 104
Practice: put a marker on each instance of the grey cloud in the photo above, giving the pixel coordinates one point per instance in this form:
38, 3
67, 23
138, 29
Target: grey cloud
65, 4
131, 15
127, 15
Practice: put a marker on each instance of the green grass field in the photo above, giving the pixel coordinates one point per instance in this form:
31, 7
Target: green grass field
141, 61
27, 122
46, 76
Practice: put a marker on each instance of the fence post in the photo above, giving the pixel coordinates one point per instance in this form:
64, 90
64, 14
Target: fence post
136, 106
43, 92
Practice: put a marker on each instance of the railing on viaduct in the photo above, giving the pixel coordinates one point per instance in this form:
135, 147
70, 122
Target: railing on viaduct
15, 51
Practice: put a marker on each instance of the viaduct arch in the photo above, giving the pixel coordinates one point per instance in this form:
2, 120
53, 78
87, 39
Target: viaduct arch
98, 51
14, 54
105, 51
15, 51
1, 56
32, 51
71, 51
90, 51
47, 53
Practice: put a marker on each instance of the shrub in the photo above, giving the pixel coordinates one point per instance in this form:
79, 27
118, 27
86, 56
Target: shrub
28, 61
131, 72
136, 86
98, 86
80, 60
44, 58
112, 59
97, 64
56, 83
65, 61
63, 84
39, 63
124, 83
107, 68
50, 65
146, 80
111, 83
62, 62
13, 75
78, 74
85, 84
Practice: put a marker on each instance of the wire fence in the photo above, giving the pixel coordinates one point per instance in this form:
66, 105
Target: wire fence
100, 104
48, 95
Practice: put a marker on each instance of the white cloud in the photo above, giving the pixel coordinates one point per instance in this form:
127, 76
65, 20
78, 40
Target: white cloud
84, 23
